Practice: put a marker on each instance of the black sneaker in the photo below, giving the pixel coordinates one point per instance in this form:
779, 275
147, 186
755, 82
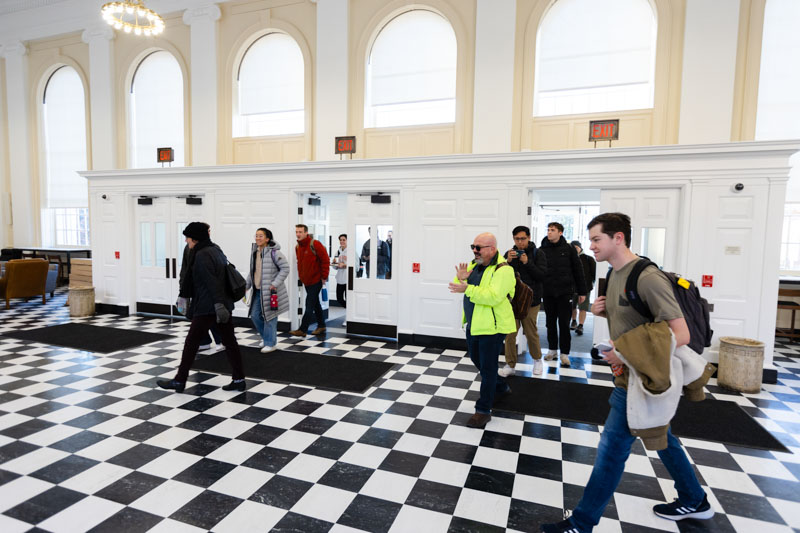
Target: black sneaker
171, 384
565, 526
235, 385
579, 330
573, 324
677, 511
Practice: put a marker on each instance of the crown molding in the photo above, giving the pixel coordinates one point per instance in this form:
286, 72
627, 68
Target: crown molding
99, 32
12, 6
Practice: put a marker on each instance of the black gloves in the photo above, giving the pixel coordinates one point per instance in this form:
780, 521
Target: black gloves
223, 315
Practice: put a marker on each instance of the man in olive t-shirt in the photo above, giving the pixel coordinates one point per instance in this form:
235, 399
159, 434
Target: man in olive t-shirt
610, 234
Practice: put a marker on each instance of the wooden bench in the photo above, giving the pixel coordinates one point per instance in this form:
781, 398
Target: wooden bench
789, 305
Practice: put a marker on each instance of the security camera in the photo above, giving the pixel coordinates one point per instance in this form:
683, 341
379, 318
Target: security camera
104, 197
738, 187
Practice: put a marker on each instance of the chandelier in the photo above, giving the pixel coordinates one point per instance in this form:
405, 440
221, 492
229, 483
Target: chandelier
131, 16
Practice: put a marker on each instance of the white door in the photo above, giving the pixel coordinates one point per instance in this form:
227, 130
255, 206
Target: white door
160, 242
372, 289
654, 222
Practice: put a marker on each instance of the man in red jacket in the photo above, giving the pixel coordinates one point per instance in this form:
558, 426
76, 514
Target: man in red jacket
313, 265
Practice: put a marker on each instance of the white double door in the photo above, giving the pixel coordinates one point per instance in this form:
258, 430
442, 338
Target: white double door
372, 268
159, 249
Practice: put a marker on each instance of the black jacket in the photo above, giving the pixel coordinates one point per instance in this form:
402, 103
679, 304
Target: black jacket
564, 269
533, 273
589, 270
207, 269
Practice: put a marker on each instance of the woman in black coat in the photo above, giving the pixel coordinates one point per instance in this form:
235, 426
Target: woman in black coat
209, 302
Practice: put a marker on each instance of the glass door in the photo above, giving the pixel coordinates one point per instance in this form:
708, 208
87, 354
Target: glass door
372, 288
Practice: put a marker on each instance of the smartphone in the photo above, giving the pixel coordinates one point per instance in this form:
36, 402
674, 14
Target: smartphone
604, 346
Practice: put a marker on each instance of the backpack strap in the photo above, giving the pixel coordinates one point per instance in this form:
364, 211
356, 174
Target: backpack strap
272, 254
631, 288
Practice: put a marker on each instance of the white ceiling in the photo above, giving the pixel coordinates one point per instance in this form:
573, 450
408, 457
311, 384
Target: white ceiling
12, 6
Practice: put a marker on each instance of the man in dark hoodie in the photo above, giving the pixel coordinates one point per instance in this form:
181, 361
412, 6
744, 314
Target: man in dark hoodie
209, 302
564, 278
531, 265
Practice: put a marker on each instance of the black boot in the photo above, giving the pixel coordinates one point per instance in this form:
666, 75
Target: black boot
171, 384
235, 385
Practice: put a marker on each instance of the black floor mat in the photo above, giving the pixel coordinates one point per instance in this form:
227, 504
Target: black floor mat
711, 420
88, 338
327, 371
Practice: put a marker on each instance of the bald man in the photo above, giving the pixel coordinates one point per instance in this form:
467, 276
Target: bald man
488, 317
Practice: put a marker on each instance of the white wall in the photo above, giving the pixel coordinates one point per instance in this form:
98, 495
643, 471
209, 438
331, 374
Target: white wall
447, 200
709, 68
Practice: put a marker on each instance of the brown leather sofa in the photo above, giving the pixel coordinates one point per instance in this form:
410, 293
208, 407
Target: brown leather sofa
24, 278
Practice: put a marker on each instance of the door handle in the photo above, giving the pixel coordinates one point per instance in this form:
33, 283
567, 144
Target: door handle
174, 262
166, 264
350, 278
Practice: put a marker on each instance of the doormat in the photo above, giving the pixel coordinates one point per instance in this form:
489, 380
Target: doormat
326, 371
711, 420
88, 338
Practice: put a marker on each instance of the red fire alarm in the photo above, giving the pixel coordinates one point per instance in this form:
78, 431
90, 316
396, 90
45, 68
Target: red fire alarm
116, 255
415, 268
708, 281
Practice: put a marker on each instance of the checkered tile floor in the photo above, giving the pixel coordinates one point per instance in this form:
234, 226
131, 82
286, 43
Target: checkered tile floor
88, 443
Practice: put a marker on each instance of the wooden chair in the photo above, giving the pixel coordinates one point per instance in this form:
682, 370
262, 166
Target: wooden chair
792, 306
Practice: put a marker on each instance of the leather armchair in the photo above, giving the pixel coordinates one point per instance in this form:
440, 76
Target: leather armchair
24, 278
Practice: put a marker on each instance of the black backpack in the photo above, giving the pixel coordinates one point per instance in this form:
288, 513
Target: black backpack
695, 308
235, 284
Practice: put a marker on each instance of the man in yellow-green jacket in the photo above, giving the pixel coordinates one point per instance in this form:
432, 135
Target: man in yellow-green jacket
488, 317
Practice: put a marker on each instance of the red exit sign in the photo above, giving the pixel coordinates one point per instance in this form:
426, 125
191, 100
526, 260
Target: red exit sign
603, 130
345, 145
166, 155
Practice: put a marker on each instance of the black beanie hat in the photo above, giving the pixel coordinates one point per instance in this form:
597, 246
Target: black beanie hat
197, 231
573, 243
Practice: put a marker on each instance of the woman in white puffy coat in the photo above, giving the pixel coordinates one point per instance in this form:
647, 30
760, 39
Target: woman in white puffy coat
268, 272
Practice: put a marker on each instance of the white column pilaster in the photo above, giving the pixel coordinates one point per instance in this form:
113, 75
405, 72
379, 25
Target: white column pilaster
330, 105
19, 148
202, 20
494, 75
101, 88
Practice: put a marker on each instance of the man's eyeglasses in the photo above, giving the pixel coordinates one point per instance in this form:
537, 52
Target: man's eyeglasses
478, 247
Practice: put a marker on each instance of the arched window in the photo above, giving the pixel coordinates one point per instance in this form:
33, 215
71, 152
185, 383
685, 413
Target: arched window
411, 72
778, 111
270, 88
65, 217
594, 56
156, 110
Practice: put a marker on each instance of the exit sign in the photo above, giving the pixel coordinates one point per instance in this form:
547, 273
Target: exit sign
603, 130
345, 145
165, 155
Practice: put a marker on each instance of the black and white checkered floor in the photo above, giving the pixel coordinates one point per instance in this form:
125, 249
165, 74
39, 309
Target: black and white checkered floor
88, 443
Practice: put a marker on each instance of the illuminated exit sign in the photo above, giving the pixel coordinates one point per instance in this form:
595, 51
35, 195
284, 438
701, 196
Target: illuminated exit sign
345, 145
603, 130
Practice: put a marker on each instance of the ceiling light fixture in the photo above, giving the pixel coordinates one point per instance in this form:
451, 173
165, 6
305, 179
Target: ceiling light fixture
132, 16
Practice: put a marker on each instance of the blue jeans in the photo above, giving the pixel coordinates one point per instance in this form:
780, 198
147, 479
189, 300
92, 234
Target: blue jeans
484, 351
268, 329
612, 452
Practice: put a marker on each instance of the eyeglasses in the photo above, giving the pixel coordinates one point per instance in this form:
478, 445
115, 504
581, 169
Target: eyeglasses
478, 247
525, 238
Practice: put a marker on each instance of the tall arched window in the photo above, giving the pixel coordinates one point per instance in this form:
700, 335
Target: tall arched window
411, 72
270, 88
65, 217
156, 110
594, 56
778, 111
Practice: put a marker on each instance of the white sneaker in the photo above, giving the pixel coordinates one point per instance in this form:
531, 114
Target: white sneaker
564, 359
267, 349
344, 324
537, 367
551, 354
506, 371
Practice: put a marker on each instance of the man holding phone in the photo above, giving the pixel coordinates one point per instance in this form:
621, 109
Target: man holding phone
531, 265
610, 235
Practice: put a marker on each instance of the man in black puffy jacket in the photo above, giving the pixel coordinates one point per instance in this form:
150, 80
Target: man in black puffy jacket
564, 278
205, 284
